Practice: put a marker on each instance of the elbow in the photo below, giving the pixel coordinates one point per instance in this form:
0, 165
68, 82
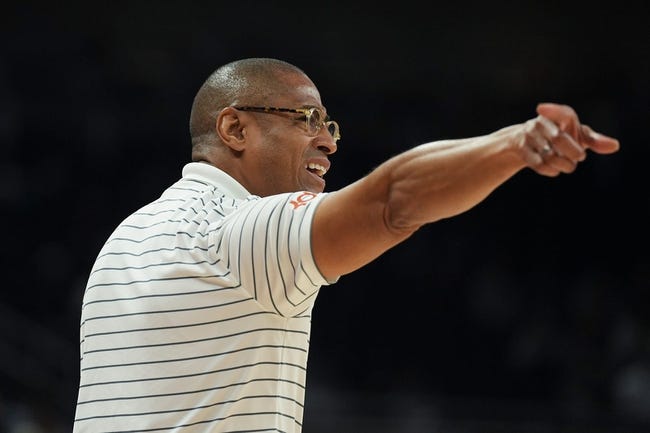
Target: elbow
400, 222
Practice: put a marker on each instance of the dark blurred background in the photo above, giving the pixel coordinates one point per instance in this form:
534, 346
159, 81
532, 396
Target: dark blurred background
529, 313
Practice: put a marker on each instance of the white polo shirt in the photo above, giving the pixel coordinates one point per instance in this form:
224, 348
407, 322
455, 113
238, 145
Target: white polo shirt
196, 315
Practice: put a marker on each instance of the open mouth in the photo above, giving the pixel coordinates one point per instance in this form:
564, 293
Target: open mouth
316, 169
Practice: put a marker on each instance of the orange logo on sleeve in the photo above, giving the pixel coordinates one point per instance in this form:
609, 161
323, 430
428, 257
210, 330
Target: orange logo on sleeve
302, 199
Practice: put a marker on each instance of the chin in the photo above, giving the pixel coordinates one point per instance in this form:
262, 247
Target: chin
314, 184
315, 190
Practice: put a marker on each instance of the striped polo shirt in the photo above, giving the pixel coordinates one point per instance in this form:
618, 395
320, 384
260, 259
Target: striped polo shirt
196, 315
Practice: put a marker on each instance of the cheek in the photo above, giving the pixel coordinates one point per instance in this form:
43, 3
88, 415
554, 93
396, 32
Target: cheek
278, 166
281, 166
282, 154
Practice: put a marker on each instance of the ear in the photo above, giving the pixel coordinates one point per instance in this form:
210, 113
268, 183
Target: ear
230, 126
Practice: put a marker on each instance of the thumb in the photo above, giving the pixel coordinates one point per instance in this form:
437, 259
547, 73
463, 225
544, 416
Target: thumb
562, 115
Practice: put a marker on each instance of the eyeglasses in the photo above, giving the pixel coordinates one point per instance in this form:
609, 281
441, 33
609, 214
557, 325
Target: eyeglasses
314, 118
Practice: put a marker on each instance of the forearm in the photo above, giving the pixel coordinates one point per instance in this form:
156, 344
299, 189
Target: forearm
442, 179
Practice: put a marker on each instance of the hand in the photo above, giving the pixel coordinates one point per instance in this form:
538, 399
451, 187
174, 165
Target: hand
567, 119
555, 142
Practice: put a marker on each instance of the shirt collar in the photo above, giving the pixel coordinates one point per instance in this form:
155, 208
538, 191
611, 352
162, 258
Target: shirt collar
210, 174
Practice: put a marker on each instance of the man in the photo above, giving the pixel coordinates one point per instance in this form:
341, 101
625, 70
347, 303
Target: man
196, 316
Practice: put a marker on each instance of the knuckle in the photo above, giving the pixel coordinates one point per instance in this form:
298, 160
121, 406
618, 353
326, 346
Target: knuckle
530, 125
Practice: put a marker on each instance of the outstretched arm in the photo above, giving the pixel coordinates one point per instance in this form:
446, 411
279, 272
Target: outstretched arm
441, 179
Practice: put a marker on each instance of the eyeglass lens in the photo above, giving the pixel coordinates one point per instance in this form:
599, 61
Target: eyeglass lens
315, 121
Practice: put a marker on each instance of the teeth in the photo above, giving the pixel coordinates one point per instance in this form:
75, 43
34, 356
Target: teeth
320, 170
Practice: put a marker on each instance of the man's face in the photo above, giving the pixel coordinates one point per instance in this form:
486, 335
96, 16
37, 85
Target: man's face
285, 157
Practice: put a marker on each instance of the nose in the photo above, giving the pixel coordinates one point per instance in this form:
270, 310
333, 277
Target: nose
325, 142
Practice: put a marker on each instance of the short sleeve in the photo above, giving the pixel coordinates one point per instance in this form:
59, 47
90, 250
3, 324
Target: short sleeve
266, 244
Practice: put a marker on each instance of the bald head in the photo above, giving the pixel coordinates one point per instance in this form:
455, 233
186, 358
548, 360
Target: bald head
252, 81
